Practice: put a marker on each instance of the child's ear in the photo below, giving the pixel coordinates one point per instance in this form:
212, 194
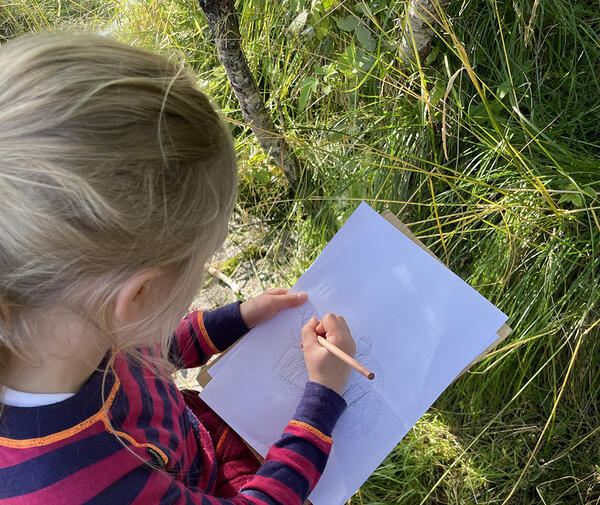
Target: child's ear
134, 297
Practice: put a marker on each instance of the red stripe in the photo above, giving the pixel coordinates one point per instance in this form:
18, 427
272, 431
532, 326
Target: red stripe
307, 435
130, 387
256, 500
11, 456
303, 466
82, 485
213, 500
184, 341
158, 411
155, 487
207, 455
274, 488
189, 451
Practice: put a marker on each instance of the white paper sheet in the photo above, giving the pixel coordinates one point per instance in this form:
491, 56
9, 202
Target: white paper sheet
416, 324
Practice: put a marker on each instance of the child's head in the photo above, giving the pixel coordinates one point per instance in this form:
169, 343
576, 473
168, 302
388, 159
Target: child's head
111, 163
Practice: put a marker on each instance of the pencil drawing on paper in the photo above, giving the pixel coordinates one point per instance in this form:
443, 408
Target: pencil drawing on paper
362, 396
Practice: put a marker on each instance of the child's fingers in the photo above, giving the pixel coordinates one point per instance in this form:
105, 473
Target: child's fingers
342, 324
290, 300
309, 336
327, 324
336, 330
277, 291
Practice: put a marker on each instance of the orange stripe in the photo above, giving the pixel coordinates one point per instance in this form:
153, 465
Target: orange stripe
222, 440
98, 416
205, 333
313, 430
56, 437
135, 443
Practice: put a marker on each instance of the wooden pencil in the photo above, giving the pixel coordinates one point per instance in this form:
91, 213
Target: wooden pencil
349, 360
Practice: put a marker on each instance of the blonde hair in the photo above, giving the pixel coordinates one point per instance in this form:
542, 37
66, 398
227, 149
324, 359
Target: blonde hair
111, 161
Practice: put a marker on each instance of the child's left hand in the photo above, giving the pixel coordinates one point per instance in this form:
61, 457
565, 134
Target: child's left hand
264, 306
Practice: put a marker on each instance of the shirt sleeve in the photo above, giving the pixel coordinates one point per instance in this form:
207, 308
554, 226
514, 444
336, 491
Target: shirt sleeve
204, 333
290, 472
296, 461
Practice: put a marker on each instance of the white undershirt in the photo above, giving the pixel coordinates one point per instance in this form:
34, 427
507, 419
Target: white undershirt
14, 398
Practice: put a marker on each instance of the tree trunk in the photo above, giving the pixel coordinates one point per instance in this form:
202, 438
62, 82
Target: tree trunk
223, 23
421, 14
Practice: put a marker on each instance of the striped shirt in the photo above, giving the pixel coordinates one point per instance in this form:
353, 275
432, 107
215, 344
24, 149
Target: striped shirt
96, 447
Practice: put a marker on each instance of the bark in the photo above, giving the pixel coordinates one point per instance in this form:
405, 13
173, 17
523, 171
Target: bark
421, 14
223, 23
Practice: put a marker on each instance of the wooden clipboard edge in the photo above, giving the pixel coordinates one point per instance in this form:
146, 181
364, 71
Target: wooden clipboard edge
204, 376
504, 330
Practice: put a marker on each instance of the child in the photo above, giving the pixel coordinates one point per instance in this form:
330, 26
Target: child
117, 180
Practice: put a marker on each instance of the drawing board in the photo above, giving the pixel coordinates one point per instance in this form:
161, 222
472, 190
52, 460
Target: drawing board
416, 324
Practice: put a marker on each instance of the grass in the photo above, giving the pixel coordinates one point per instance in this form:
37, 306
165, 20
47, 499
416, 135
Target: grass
488, 148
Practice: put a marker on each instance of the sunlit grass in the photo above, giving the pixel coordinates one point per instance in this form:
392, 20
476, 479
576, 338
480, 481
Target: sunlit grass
488, 148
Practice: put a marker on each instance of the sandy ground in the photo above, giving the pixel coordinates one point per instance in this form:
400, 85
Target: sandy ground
250, 274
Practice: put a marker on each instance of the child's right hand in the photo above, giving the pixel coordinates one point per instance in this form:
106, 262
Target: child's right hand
323, 367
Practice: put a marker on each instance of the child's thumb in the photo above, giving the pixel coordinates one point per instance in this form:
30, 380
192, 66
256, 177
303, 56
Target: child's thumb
309, 336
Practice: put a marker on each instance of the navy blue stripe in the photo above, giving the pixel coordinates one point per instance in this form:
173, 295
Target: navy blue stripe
174, 392
174, 354
120, 409
167, 421
213, 477
225, 501
183, 419
261, 496
202, 356
225, 325
171, 495
21, 423
125, 490
47, 469
320, 407
183, 423
281, 472
194, 472
144, 422
182, 461
307, 449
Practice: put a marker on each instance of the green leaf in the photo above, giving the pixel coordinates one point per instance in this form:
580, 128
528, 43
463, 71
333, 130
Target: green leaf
366, 40
363, 60
298, 23
322, 25
437, 92
590, 191
432, 55
503, 90
304, 95
573, 198
364, 8
316, 7
346, 59
307, 86
348, 24
262, 176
